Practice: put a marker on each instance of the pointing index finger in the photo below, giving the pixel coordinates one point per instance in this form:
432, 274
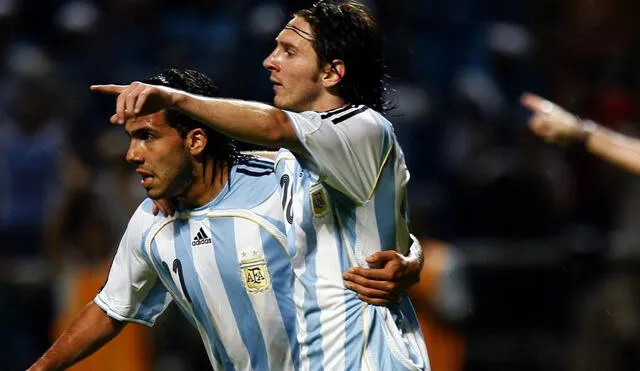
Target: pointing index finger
109, 89
535, 103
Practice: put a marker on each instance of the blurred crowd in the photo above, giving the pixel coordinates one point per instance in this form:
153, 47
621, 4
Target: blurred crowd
546, 236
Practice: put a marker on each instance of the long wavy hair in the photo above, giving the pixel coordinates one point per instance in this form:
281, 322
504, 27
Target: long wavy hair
346, 30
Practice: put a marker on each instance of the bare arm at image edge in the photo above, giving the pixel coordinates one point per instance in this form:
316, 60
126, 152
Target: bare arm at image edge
89, 331
554, 124
616, 148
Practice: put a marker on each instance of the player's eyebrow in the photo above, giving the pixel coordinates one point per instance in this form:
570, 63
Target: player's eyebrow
286, 45
138, 132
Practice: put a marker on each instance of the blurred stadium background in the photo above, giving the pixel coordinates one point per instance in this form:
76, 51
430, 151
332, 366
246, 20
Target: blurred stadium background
539, 265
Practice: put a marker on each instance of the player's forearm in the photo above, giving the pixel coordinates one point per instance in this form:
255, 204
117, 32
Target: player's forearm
247, 121
616, 148
415, 259
89, 331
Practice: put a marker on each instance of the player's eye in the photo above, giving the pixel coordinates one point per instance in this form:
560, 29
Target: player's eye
144, 135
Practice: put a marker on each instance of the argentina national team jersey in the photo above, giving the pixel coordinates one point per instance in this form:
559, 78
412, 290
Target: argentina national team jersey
227, 267
344, 200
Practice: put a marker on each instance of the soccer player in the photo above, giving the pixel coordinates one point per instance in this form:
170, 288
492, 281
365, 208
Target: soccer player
343, 179
222, 258
554, 124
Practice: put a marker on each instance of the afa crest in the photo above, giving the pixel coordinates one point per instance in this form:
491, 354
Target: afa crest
255, 275
319, 203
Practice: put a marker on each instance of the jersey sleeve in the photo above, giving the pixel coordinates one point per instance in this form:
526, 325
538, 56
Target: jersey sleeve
348, 151
133, 291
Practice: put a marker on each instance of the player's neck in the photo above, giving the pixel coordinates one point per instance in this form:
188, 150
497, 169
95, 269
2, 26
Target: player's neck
207, 183
328, 102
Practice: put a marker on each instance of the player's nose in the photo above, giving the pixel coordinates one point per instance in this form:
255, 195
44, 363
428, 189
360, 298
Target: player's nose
270, 62
133, 155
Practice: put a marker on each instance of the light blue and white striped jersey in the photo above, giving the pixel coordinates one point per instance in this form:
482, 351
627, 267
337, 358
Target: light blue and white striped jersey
344, 200
225, 265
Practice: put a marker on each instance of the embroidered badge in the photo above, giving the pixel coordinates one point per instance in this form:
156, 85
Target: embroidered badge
319, 203
255, 275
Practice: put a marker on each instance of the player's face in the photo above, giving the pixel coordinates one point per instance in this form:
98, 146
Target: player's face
294, 68
163, 162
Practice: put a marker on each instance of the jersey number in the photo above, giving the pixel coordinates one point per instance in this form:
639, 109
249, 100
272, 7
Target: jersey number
287, 197
177, 268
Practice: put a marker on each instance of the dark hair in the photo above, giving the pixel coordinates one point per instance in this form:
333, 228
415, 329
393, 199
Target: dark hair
346, 30
220, 147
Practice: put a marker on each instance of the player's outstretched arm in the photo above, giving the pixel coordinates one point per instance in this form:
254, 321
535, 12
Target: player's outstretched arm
554, 124
247, 121
90, 330
385, 285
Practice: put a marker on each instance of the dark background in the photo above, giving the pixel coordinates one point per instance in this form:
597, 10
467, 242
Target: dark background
549, 234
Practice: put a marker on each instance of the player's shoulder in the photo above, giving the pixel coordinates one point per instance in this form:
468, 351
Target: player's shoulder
255, 166
283, 156
353, 113
141, 222
349, 113
355, 116
253, 181
143, 217
145, 209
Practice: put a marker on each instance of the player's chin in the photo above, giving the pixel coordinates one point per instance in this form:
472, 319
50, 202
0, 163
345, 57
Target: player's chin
156, 194
277, 101
282, 103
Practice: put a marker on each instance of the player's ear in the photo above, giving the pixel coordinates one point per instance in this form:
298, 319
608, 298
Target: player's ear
196, 141
334, 72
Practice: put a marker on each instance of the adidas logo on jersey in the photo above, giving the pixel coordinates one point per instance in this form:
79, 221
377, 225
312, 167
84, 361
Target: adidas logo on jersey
201, 238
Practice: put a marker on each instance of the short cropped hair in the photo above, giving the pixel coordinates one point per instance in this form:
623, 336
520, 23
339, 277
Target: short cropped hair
220, 147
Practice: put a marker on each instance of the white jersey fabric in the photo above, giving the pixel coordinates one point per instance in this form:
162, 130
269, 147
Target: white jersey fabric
344, 200
226, 266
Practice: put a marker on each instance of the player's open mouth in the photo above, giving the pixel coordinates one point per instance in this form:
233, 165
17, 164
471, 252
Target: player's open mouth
146, 181
276, 84
146, 178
